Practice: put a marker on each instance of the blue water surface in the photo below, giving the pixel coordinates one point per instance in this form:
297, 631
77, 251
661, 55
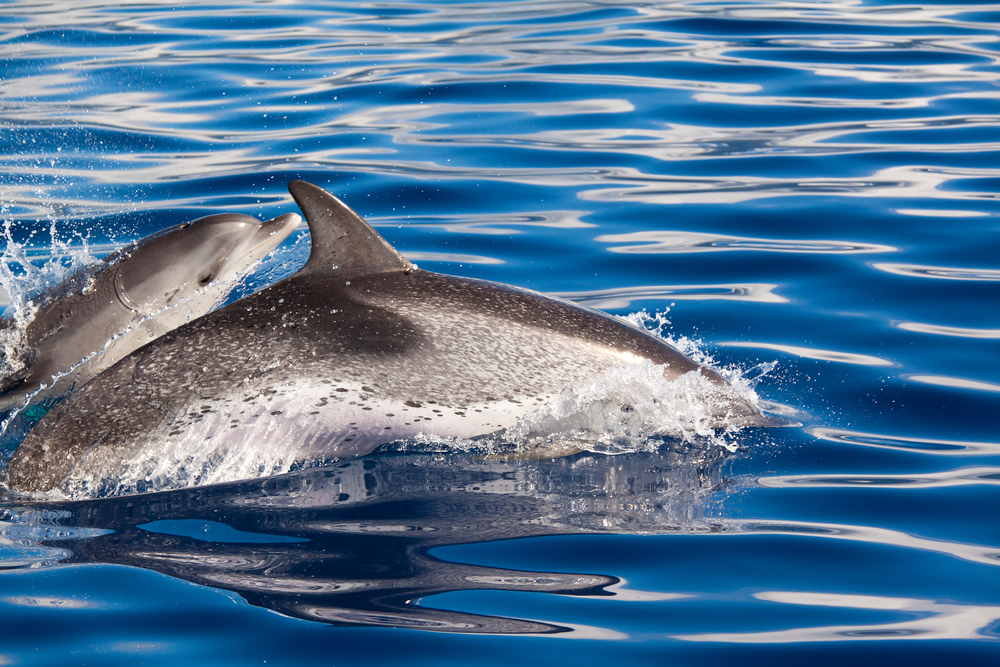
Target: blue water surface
812, 183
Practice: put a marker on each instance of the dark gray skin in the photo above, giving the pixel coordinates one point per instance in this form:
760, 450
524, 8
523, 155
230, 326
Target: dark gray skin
357, 349
136, 295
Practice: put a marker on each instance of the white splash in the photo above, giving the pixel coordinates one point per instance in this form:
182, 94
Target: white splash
633, 408
27, 275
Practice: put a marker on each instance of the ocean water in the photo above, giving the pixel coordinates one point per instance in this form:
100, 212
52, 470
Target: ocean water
804, 193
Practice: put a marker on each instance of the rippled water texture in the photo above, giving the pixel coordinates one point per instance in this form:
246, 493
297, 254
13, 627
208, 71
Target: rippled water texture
811, 183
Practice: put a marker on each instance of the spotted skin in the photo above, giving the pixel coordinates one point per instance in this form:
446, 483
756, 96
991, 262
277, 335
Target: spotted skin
333, 363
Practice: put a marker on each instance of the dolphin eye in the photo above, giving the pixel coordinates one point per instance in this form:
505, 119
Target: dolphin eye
184, 226
207, 278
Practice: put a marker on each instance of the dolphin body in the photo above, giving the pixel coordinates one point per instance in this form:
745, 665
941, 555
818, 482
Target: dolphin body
137, 294
357, 349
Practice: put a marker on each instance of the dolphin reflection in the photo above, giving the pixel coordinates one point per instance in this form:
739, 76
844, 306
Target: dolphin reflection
350, 544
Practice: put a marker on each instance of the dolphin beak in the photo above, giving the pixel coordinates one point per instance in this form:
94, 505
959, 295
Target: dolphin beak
256, 246
270, 234
274, 231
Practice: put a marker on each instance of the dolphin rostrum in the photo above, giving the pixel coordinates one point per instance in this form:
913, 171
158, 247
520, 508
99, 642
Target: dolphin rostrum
136, 294
357, 349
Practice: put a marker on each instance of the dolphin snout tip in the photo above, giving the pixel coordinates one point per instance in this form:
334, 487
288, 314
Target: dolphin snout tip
287, 221
274, 231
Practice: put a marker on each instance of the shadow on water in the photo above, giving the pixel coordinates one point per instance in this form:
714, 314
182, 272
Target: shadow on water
349, 544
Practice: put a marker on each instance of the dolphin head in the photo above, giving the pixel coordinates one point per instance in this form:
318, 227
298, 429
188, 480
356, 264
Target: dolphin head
210, 253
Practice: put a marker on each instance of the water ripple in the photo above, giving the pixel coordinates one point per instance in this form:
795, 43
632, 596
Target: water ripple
505, 137
941, 272
982, 475
622, 297
940, 447
927, 620
812, 353
667, 242
941, 330
986, 555
958, 383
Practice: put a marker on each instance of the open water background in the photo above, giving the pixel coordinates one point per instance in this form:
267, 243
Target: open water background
812, 183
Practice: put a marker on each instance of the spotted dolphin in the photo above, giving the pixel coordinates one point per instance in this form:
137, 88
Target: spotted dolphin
358, 348
136, 294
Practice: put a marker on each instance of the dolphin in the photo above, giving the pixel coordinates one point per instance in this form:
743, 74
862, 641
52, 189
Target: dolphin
136, 294
357, 349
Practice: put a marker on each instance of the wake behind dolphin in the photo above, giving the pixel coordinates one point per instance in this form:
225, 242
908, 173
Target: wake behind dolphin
357, 349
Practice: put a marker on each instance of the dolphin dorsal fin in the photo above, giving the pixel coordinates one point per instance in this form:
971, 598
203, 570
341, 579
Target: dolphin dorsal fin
342, 242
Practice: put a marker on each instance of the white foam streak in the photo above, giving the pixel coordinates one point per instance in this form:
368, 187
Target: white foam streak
617, 412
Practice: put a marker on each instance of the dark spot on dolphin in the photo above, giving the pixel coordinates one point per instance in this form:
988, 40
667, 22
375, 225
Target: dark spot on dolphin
414, 404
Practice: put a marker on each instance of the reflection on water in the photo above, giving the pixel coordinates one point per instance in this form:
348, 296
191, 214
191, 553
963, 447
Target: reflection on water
348, 545
960, 383
910, 444
622, 298
810, 353
666, 242
939, 330
309, 90
943, 272
353, 544
961, 477
816, 181
927, 620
